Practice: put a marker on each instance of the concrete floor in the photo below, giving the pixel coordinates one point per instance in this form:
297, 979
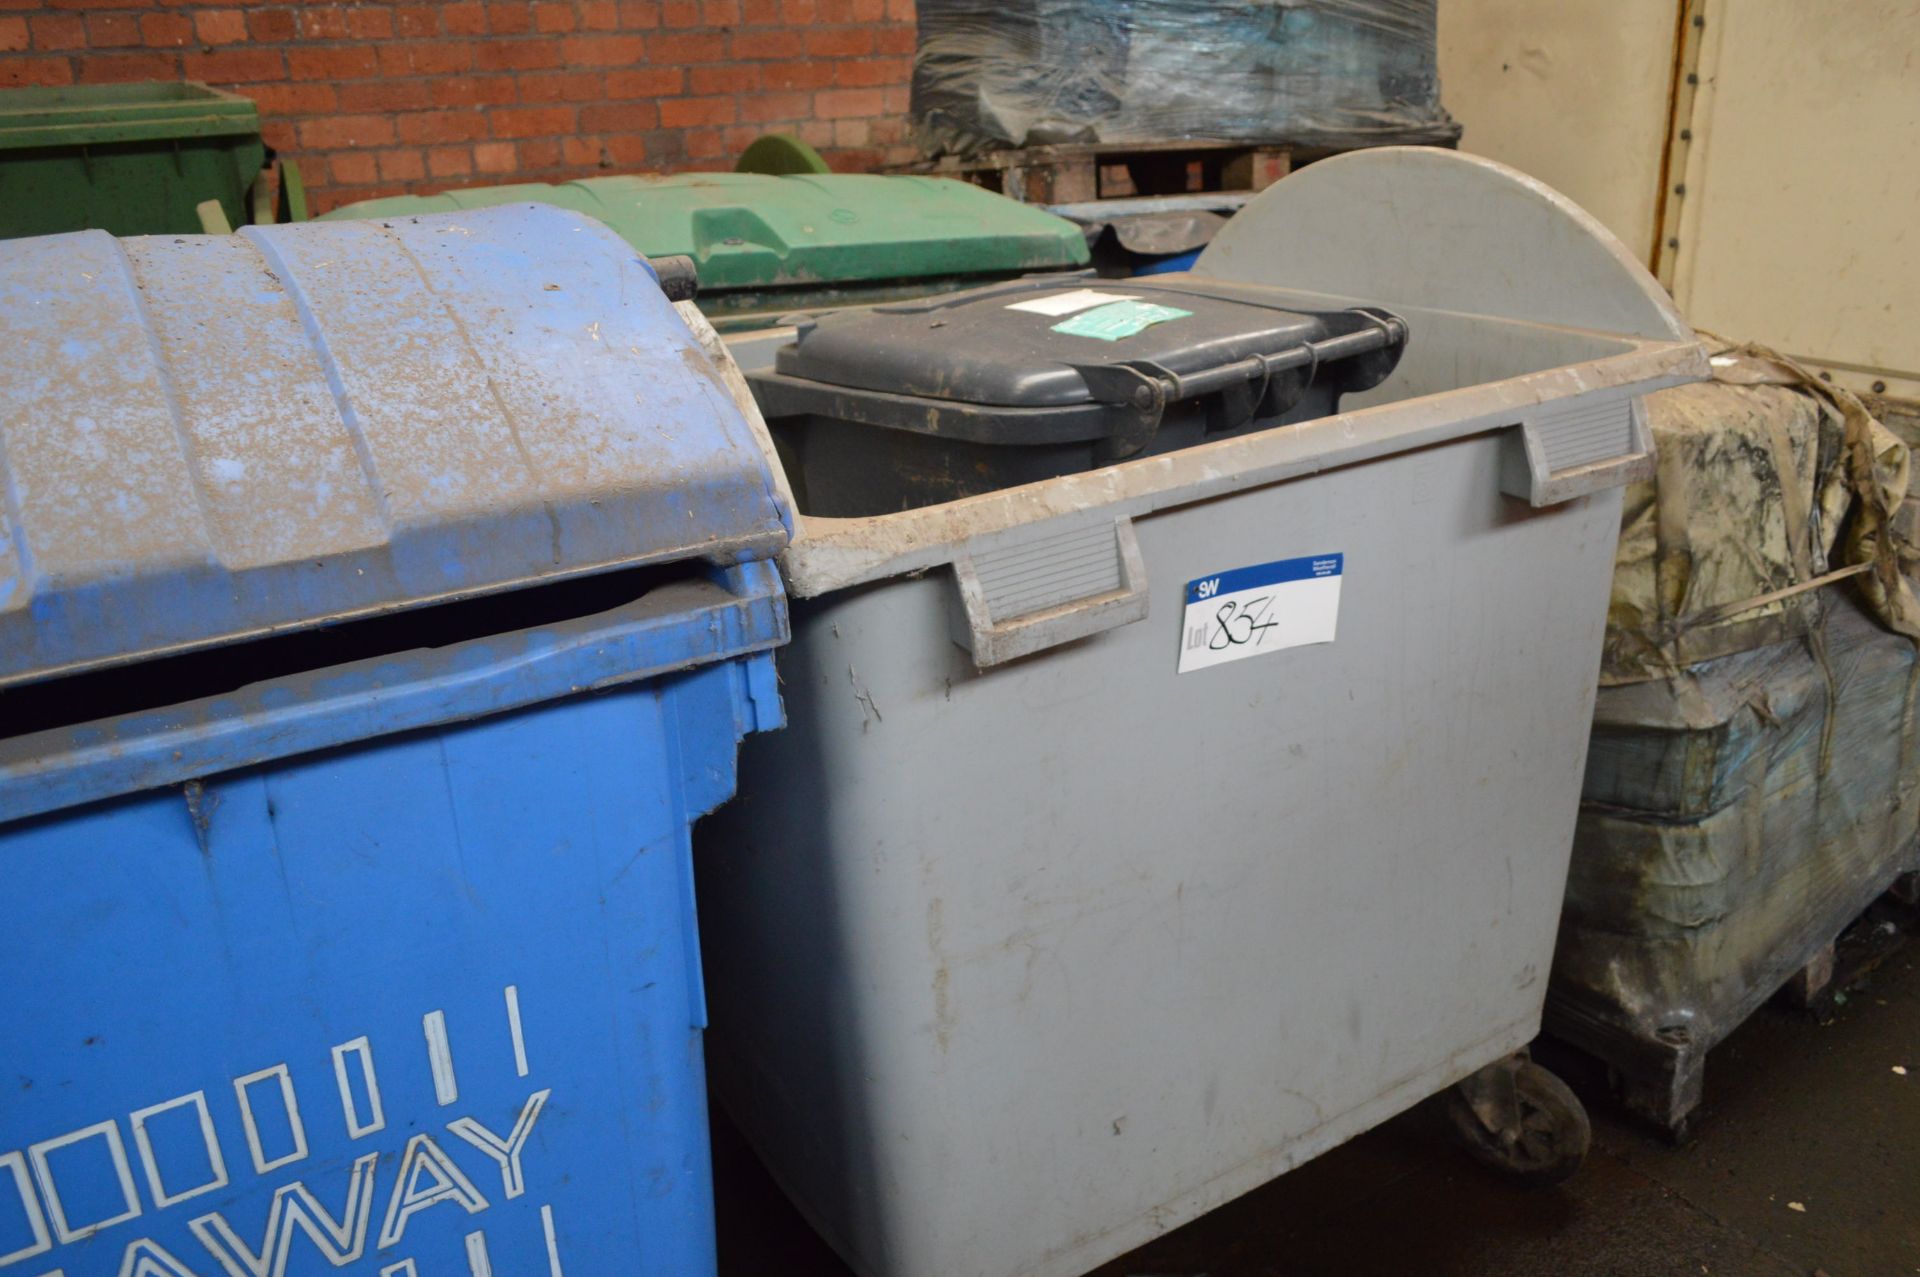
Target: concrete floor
1796, 1112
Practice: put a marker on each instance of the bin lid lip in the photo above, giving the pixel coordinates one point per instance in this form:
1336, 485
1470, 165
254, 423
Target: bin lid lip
205, 439
760, 231
1020, 345
95, 114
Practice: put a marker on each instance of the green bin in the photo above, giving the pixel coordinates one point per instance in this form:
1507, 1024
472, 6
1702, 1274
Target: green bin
133, 159
767, 246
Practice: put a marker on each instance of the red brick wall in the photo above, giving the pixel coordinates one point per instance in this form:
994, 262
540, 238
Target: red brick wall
379, 97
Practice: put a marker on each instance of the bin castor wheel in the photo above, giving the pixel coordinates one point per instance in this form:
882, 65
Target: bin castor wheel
1521, 1120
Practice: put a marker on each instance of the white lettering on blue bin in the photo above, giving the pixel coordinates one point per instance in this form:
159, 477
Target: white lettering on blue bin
1252, 611
298, 1219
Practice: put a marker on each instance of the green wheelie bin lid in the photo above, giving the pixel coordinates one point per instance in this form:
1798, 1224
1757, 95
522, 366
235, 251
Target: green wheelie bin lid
767, 245
133, 159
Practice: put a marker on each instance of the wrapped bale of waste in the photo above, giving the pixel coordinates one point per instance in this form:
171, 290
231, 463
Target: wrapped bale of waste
1736, 818
1769, 482
1751, 782
1902, 417
1339, 74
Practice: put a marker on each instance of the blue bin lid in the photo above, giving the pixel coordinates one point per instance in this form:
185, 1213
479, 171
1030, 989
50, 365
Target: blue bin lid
211, 438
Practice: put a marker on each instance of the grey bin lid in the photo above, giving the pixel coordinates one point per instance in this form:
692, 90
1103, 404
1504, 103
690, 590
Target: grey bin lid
206, 438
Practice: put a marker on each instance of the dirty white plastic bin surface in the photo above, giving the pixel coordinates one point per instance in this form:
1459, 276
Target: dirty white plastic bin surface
1023, 946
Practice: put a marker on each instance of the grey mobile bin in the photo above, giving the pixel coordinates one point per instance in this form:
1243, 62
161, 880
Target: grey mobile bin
1022, 945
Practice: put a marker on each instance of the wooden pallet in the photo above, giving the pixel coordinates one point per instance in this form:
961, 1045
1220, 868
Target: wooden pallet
1660, 1079
1077, 173
1819, 988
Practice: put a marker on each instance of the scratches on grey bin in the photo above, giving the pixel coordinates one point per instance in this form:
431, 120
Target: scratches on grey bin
870, 713
942, 974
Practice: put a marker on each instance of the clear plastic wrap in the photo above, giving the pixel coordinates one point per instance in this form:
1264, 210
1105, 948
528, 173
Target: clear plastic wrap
1753, 777
992, 74
1737, 817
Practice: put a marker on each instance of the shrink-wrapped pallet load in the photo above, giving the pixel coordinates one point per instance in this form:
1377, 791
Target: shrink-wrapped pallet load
1751, 782
1333, 74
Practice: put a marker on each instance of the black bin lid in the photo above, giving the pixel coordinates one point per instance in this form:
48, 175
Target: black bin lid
1045, 361
1032, 342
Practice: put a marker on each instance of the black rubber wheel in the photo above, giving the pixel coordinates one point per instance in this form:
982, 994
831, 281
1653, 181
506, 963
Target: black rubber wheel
1554, 1133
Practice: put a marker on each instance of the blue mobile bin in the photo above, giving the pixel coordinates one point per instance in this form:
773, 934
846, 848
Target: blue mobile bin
379, 606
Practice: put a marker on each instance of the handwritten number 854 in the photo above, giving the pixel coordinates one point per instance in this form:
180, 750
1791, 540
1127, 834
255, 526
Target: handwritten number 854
1234, 624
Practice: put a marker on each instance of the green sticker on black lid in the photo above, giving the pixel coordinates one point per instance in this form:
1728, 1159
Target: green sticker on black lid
1118, 319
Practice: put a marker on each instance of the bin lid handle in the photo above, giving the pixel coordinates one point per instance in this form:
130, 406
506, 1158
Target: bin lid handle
1143, 388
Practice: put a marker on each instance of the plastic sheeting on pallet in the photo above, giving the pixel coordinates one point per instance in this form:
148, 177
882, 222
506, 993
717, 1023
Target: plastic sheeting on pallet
1736, 818
1768, 480
1902, 417
1751, 780
1323, 73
